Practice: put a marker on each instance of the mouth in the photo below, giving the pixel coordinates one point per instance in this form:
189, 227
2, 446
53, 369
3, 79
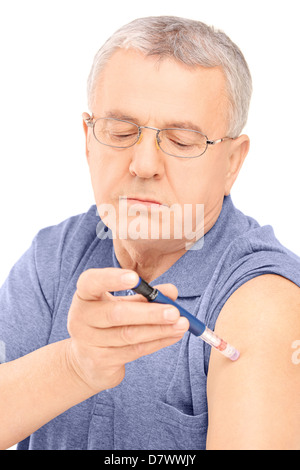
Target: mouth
147, 202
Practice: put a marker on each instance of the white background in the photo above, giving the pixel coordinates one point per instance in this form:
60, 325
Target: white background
47, 48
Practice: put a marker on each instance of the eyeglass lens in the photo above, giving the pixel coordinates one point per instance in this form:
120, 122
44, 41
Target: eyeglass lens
176, 142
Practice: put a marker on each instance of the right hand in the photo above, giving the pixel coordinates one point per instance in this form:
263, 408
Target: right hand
108, 331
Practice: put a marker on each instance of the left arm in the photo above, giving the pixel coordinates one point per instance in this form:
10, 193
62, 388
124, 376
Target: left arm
254, 403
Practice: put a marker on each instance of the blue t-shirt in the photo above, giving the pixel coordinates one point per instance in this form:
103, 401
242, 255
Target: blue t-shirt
161, 403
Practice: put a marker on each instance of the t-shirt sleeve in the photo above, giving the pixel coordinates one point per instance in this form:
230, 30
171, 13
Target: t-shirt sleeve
27, 299
249, 256
31, 293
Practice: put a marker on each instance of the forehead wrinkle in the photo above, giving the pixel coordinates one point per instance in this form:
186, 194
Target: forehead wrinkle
115, 114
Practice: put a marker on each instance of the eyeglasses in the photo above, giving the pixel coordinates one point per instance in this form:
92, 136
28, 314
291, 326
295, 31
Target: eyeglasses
176, 142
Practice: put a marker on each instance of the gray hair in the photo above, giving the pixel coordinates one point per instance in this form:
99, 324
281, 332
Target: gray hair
192, 43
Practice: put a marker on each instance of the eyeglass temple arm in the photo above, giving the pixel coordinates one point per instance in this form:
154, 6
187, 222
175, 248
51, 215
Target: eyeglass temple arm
88, 120
214, 142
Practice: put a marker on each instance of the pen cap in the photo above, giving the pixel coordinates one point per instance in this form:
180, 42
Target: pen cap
145, 289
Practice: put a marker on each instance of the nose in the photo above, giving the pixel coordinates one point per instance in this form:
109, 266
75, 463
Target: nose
147, 160
157, 139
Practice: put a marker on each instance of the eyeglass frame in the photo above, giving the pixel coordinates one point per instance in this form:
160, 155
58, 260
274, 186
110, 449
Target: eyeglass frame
90, 122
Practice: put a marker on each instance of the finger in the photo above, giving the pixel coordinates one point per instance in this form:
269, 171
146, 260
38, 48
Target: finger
131, 335
94, 283
107, 314
115, 357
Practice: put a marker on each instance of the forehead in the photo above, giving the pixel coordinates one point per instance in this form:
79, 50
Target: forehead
160, 90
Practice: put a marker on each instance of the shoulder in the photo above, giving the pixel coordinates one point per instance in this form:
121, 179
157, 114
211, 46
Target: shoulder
58, 249
261, 319
253, 259
78, 225
265, 301
54, 241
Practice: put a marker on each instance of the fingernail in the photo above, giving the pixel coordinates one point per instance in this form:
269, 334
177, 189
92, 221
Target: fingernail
181, 324
130, 279
171, 314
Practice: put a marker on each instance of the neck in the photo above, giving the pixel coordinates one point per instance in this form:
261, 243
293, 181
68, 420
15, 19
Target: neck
151, 258
149, 262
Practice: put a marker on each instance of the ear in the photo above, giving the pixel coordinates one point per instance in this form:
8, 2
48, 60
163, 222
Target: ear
86, 133
239, 150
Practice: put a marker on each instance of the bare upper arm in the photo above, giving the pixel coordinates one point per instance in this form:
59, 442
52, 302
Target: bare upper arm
254, 403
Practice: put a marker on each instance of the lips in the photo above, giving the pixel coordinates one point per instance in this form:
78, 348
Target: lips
143, 200
147, 201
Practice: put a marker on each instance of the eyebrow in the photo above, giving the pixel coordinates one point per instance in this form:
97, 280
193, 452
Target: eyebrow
186, 125
176, 124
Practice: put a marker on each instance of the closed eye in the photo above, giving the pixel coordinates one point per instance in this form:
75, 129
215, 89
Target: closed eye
180, 144
123, 136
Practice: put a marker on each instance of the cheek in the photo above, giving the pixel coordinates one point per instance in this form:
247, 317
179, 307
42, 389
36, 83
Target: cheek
214, 169
193, 179
202, 180
105, 174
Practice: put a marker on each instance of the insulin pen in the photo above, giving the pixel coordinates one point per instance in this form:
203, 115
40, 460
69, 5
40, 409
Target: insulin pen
196, 326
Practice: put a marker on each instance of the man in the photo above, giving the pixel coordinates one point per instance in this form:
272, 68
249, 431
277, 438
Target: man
87, 365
